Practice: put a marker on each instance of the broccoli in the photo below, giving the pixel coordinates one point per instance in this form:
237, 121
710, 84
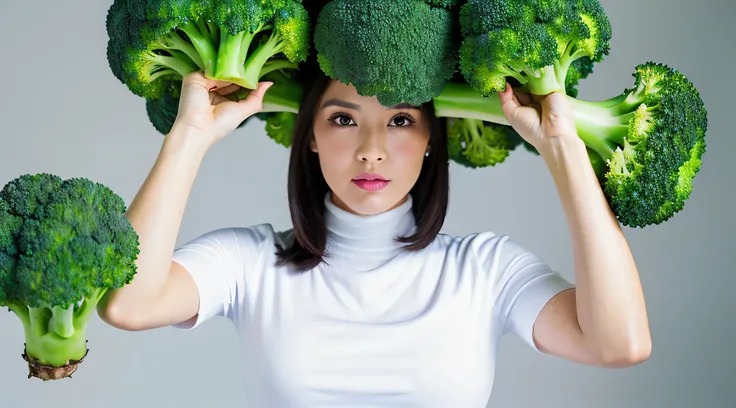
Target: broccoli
280, 106
63, 245
280, 127
152, 42
477, 143
646, 144
395, 50
546, 46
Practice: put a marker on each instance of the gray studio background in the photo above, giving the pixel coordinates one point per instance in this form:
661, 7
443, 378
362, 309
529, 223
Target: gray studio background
62, 111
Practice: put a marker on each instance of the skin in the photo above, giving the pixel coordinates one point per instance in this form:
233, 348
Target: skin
601, 322
355, 134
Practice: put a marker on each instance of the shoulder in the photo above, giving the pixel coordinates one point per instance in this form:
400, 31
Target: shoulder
477, 245
494, 255
242, 244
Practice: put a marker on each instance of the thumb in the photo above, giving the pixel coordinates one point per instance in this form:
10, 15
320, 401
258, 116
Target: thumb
253, 102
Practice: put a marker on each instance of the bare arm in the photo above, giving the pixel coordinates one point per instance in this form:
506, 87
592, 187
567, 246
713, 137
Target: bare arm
603, 321
162, 292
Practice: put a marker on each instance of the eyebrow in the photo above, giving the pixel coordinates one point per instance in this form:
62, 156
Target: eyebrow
348, 105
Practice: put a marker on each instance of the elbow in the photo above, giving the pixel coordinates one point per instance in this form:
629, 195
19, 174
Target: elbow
116, 315
631, 353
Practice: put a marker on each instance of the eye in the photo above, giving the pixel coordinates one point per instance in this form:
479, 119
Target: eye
341, 120
403, 120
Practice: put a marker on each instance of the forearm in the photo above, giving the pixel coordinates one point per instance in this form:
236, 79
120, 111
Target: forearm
156, 214
609, 297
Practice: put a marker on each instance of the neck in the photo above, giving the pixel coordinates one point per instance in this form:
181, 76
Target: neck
365, 242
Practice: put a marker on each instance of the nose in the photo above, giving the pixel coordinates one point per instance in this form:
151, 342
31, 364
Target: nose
372, 148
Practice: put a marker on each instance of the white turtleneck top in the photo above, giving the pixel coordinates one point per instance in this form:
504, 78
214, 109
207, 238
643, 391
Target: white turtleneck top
374, 326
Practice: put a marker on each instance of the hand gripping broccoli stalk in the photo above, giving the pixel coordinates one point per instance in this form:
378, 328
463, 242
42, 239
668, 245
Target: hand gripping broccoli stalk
63, 245
646, 144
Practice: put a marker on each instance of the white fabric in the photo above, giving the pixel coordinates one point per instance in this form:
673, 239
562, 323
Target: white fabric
376, 326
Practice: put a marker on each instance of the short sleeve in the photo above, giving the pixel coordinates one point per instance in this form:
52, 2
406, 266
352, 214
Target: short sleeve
220, 262
522, 284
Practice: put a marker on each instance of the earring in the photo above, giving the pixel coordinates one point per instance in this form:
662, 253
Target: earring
426, 154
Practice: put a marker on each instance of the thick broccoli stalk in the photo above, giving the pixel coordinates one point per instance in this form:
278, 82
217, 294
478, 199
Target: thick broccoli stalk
395, 50
154, 42
475, 143
645, 144
534, 43
63, 245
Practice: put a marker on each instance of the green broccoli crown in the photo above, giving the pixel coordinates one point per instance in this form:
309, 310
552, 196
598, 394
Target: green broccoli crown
651, 172
65, 239
396, 50
152, 43
448, 4
475, 143
533, 42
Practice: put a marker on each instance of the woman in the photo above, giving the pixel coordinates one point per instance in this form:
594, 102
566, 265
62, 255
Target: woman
364, 302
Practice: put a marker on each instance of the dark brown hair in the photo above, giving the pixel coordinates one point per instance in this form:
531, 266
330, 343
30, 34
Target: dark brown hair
307, 187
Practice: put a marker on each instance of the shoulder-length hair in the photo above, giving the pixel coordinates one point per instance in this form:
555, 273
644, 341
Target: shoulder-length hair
307, 187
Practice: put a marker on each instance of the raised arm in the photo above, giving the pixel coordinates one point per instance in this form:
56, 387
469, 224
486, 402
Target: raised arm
163, 293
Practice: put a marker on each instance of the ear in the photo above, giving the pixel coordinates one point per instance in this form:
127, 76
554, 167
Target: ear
313, 146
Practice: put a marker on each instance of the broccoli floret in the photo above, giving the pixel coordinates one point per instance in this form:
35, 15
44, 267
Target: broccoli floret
395, 50
448, 4
476, 143
533, 42
63, 245
280, 127
154, 42
646, 144
162, 111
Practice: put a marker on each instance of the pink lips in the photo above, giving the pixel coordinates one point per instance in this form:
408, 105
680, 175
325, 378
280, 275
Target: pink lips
370, 182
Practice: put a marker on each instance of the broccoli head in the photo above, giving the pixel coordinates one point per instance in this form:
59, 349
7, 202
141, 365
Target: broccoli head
63, 245
645, 144
154, 42
395, 50
532, 42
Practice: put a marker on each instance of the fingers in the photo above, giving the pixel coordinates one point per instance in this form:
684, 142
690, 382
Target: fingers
199, 79
254, 101
555, 105
227, 90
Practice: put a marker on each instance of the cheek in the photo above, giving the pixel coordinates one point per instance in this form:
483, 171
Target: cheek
408, 152
336, 153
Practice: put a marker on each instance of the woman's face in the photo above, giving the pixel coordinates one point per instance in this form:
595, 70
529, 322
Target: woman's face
370, 155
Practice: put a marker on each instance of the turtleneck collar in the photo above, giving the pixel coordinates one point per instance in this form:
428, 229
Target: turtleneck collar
365, 242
